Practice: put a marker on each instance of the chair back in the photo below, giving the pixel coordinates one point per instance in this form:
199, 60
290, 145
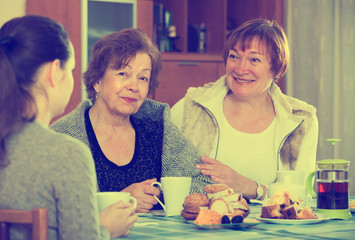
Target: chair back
38, 217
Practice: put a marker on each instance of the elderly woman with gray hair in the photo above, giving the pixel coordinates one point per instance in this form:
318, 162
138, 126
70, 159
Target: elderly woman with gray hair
132, 140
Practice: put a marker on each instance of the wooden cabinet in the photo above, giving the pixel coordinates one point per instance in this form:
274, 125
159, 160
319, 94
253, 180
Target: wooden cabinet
181, 71
184, 69
218, 16
186, 13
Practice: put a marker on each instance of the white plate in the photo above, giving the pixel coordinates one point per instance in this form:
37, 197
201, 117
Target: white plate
228, 226
320, 218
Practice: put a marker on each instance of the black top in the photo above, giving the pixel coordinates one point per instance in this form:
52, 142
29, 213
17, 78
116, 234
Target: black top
146, 161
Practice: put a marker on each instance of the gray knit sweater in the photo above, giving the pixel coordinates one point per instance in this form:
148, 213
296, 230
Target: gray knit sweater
179, 156
56, 172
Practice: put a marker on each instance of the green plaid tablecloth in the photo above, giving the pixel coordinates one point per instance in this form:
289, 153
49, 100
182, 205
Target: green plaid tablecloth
151, 226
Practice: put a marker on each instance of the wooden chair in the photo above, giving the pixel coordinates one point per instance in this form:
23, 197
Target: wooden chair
38, 217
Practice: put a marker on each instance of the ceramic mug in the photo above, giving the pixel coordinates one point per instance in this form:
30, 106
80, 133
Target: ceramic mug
105, 199
175, 190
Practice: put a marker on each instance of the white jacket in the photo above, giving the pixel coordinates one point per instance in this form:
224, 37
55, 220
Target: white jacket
296, 134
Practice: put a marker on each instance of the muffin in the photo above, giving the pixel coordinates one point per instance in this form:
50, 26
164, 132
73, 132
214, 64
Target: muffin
192, 205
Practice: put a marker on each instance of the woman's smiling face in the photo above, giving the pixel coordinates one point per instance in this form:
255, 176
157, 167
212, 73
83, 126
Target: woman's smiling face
123, 91
248, 72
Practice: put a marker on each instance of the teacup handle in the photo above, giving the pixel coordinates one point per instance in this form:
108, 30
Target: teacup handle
158, 183
309, 184
134, 201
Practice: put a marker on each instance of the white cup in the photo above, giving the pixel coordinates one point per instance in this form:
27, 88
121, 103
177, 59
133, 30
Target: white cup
105, 199
175, 190
298, 177
290, 181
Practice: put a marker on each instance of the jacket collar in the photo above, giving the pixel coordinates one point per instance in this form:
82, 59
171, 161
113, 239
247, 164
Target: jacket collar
211, 90
283, 109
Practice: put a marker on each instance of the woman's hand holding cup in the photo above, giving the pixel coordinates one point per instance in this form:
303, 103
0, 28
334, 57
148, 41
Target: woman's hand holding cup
144, 192
118, 218
117, 212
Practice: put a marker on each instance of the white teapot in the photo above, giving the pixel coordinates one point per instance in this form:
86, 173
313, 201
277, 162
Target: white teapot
292, 182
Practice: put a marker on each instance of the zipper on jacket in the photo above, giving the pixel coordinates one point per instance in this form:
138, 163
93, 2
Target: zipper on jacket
215, 120
282, 143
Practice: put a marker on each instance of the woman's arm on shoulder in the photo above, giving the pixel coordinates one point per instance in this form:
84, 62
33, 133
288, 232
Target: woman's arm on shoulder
177, 113
180, 157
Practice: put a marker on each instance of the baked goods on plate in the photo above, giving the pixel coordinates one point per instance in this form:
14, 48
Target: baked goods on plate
286, 206
219, 202
352, 203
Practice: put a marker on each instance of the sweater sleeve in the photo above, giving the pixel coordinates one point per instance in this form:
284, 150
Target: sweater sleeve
73, 124
74, 190
180, 156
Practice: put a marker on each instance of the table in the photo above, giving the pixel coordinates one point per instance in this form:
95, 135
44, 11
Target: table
151, 226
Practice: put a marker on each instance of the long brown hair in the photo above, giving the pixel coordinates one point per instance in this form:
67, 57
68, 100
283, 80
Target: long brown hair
26, 43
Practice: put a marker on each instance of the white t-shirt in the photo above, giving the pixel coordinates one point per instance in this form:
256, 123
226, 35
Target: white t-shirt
251, 155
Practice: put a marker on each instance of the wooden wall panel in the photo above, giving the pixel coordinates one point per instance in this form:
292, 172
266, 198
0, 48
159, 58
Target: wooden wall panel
178, 76
67, 13
145, 16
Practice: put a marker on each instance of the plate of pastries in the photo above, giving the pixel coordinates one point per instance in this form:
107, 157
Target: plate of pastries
285, 208
220, 207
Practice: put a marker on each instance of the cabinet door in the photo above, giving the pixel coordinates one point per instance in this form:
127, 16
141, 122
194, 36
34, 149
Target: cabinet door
145, 16
67, 14
177, 76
